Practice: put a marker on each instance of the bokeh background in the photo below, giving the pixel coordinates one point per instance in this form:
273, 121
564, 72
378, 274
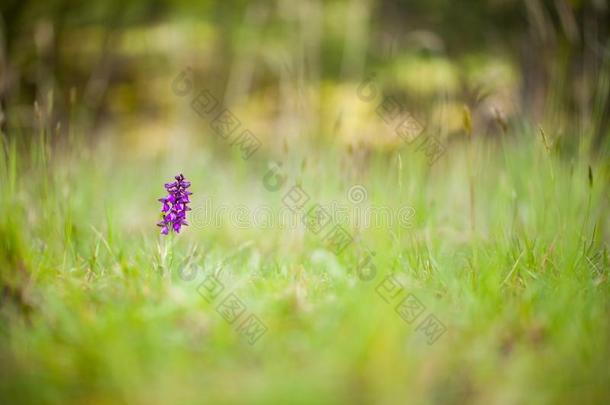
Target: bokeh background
291, 70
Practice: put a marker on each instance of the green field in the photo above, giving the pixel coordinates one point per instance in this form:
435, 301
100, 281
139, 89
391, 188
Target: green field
98, 308
393, 202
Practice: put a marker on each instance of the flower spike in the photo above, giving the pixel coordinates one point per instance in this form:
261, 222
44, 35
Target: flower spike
175, 206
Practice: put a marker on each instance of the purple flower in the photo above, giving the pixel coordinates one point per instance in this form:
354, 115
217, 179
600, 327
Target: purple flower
175, 205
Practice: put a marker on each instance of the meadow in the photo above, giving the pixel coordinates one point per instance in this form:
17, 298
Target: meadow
391, 203
100, 308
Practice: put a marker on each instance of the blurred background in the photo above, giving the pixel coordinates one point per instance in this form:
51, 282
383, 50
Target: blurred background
506, 231
291, 71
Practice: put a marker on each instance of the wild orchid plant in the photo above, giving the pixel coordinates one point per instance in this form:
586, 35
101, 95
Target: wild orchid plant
175, 205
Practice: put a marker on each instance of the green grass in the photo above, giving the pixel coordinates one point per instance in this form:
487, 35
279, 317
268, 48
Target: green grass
94, 310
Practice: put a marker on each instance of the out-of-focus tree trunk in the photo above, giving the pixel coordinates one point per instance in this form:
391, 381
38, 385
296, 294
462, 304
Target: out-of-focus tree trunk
564, 51
536, 53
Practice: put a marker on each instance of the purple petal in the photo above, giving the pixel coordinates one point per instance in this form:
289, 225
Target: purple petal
175, 205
